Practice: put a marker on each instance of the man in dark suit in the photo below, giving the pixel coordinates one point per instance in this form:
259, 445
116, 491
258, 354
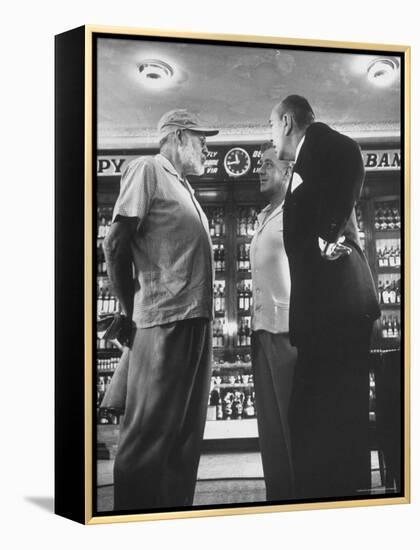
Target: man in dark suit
333, 304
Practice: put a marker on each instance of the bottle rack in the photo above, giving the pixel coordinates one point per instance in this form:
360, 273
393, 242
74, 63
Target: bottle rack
382, 216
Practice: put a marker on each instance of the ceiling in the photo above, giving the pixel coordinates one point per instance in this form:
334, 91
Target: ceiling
234, 89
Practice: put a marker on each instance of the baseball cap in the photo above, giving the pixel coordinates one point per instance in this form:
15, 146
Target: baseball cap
181, 119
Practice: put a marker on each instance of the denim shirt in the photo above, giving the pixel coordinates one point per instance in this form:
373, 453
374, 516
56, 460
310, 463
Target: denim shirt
171, 248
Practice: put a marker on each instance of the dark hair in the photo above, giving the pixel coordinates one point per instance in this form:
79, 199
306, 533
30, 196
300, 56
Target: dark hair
299, 107
265, 146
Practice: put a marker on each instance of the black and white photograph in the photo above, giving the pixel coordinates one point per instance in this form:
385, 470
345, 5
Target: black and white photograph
248, 238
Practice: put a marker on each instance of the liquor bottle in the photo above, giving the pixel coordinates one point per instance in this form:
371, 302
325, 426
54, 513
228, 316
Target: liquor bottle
242, 224
377, 222
390, 330
385, 257
240, 257
397, 257
222, 299
237, 407
392, 295
211, 224
227, 406
397, 218
241, 304
216, 257
383, 219
220, 336
217, 225
222, 257
247, 332
216, 295
249, 409
249, 224
247, 298
214, 334
240, 335
219, 409
100, 298
384, 327
398, 291
389, 222
380, 291
392, 257
385, 293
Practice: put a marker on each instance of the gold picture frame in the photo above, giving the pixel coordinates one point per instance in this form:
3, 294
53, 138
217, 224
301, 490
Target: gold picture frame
76, 181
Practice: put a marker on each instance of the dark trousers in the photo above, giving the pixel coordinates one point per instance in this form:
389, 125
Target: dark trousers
274, 360
161, 434
329, 412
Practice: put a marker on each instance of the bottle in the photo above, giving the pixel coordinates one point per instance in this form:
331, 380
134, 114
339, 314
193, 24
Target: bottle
392, 257
389, 223
249, 410
398, 291
397, 257
240, 334
222, 299
385, 293
227, 406
385, 257
242, 225
219, 409
390, 330
383, 219
397, 218
241, 305
392, 295
222, 257
384, 327
217, 225
211, 224
249, 224
380, 291
378, 214
217, 305
247, 333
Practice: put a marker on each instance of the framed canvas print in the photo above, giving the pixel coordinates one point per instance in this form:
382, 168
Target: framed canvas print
232, 274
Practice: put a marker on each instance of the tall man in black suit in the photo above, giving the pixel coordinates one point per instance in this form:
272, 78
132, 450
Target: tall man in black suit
333, 304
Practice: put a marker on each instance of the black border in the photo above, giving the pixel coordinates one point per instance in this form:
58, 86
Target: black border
209, 42
69, 425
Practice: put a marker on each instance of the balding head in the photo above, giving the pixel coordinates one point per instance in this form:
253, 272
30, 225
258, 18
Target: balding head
289, 120
299, 108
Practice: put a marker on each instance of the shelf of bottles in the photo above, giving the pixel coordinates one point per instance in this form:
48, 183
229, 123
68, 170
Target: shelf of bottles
232, 394
246, 225
107, 355
387, 250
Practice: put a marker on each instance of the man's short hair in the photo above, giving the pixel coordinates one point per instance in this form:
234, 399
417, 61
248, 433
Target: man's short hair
300, 108
265, 146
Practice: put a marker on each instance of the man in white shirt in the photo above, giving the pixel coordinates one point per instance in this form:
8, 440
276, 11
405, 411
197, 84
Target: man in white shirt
273, 357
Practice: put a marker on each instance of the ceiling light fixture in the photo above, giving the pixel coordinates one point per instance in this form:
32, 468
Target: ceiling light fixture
155, 74
382, 71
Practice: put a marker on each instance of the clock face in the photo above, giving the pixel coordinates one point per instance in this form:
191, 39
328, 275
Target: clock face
237, 162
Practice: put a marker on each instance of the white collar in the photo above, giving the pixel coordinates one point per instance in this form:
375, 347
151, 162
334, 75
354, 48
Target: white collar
299, 147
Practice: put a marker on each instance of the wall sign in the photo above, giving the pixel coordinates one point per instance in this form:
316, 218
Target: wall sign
216, 168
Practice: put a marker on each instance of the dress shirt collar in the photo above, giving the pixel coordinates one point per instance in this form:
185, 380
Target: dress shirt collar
299, 147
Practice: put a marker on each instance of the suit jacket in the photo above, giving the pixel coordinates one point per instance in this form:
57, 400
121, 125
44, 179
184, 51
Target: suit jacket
324, 293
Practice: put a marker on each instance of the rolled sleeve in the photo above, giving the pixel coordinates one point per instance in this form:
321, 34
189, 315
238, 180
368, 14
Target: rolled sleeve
138, 185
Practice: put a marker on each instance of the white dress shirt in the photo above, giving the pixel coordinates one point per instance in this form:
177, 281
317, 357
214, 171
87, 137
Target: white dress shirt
270, 274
